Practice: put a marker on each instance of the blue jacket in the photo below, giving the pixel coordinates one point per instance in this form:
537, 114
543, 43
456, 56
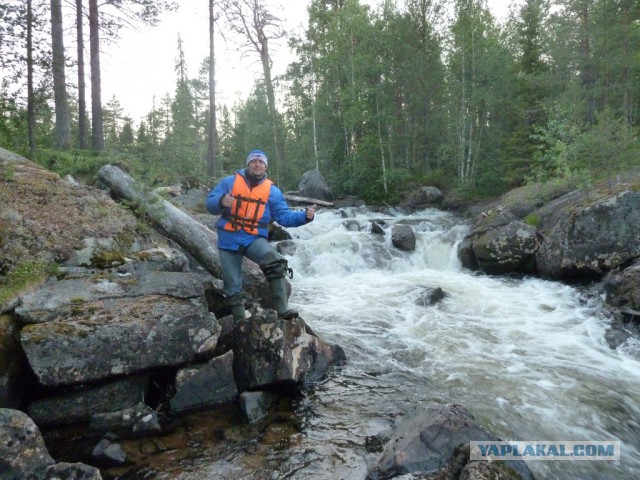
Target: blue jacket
276, 209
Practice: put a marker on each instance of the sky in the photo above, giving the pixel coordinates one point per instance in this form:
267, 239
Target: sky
141, 65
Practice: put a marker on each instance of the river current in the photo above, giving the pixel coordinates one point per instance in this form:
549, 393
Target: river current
527, 357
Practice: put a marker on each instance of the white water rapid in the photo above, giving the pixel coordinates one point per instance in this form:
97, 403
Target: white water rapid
527, 357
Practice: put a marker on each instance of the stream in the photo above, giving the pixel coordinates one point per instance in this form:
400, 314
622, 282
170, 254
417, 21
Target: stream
527, 357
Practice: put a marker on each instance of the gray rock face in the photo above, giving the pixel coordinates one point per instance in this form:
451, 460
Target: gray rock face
205, 385
507, 248
78, 404
589, 241
157, 323
623, 288
22, 449
403, 237
313, 185
423, 198
255, 405
428, 442
270, 351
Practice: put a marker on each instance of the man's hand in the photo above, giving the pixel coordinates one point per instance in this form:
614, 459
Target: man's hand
311, 211
227, 200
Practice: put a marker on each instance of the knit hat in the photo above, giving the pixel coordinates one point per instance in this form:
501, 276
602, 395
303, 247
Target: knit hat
257, 155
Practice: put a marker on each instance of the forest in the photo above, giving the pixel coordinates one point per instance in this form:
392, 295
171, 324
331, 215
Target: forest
378, 99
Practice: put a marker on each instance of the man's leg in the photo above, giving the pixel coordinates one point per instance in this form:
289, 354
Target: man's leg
274, 267
231, 263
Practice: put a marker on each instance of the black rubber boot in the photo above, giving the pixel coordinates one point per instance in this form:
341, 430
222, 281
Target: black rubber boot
236, 303
278, 287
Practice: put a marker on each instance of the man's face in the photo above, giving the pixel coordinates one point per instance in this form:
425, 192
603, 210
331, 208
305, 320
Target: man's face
257, 167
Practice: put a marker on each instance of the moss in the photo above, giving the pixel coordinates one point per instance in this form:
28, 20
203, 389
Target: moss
107, 259
25, 275
38, 334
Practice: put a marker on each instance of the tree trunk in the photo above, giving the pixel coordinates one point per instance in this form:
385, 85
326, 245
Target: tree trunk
63, 127
211, 164
97, 126
271, 99
31, 113
82, 102
190, 234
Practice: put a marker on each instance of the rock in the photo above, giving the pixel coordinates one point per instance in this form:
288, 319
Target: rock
424, 197
429, 442
71, 471
352, 225
138, 420
15, 376
623, 288
376, 228
348, 202
403, 238
22, 449
156, 259
160, 320
206, 385
277, 233
508, 248
59, 298
431, 296
287, 247
270, 351
78, 404
255, 405
588, 241
152, 331
108, 453
313, 185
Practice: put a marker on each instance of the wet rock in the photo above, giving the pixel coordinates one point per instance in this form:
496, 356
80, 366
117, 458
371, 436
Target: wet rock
623, 288
376, 228
508, 248
69, 471
271, 351
352, 225
255, 405
313, 185
287, 247
431, 296
431, 441
403, 237
205, 385
80, 403
22, 449
138, 420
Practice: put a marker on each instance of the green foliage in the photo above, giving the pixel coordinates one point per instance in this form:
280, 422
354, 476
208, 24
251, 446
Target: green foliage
533, 220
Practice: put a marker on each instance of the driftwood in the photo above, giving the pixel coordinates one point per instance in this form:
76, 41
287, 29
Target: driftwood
198, 240
310, 201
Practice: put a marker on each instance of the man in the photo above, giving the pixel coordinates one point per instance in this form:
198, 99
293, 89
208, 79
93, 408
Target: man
246, 202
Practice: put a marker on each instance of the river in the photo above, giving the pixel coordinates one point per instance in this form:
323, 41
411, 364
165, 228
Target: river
527, 357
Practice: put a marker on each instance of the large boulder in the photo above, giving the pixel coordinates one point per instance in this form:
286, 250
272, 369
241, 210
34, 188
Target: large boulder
159, 320
205, 385
313, 185
588, 241
269, 351
623, 288
403, 237
428, 442
424, 197
508, 248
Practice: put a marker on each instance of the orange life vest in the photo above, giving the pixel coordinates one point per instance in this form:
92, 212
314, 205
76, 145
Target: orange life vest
249, 205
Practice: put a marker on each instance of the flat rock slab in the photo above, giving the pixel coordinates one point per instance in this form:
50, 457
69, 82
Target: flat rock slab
55, 299
119, 336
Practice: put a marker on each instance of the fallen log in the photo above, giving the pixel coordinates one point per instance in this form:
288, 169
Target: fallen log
191, 235
310, 201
